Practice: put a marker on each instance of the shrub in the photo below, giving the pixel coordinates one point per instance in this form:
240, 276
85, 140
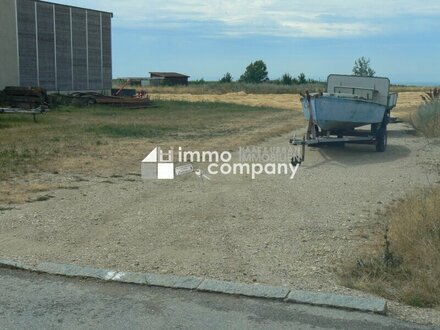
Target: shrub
427, 118
200, 81
227, 78
286, 79
302, 79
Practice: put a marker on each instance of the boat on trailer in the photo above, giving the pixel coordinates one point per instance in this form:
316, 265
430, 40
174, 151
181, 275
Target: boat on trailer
349, 102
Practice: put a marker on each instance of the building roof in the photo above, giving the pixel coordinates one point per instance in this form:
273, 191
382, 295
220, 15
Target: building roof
59, 4
169, 74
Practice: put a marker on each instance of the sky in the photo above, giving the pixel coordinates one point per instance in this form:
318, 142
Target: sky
206, 39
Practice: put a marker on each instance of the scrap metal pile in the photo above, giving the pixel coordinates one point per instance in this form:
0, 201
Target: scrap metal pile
83, 99
24, 100
25, 97
35, 100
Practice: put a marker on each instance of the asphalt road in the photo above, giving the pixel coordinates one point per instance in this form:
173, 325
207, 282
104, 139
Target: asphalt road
39, 301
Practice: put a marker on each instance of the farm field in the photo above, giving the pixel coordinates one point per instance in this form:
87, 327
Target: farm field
407, 101
71, 192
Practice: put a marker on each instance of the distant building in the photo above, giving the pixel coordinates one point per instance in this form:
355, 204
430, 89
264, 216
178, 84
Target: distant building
57, 47
168, 78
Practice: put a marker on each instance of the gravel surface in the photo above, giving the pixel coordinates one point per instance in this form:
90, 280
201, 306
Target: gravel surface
269, 230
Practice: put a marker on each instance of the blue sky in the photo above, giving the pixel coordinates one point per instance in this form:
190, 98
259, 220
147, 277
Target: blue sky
206, 39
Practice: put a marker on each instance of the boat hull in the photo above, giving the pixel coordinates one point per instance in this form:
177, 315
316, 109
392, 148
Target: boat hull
336, 113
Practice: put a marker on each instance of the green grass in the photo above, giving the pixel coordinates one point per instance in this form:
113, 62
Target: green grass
130, 130
427, 119
77, 139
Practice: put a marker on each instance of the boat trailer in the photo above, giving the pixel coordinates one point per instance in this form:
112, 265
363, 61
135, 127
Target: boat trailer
353, 137
350, 102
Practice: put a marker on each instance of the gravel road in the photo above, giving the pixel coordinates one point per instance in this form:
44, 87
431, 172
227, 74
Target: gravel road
268, 230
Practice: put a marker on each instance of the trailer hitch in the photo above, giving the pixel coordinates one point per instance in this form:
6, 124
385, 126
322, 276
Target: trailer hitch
299, 157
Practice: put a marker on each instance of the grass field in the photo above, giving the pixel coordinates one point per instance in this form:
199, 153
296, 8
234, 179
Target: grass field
102, 140
217, 88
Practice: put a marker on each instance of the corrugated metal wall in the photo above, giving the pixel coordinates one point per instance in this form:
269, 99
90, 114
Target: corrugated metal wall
107, 56
27, 46
63, 48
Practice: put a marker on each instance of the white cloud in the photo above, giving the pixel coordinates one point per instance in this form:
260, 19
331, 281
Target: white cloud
312, 18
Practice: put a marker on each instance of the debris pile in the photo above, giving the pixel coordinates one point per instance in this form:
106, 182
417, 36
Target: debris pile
25, 97
91, 98
24, 100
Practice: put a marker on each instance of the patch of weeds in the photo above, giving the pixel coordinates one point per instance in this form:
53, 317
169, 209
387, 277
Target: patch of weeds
404, 264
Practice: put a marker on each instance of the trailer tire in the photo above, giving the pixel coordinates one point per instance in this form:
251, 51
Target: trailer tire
381, 139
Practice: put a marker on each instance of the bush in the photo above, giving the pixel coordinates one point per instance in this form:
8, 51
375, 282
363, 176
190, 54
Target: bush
302, 79
286, 79
227, 78
198, 82
405, 265
427, 118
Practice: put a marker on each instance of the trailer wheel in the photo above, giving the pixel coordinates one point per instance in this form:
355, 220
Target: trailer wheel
381, 139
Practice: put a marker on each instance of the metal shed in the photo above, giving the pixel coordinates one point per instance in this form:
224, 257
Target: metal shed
57, 47
171, 78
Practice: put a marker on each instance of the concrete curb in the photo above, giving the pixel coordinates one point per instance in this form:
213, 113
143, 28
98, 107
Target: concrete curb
372, 305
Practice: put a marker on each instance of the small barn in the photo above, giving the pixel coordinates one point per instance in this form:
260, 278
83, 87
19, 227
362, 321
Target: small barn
168, 78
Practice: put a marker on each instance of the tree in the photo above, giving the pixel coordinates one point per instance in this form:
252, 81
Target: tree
227, 78
302, 78
362, 67
286, 79
256, 72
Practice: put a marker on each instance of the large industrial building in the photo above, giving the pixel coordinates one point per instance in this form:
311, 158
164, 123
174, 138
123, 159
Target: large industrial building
57, 47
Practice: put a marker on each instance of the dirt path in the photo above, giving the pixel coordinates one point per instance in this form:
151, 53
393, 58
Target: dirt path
269, 230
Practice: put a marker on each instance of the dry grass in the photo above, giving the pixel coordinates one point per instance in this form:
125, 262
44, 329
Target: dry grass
407, 104
215, 88
404, 263
427, 118
279, 101
235, 87
105, 141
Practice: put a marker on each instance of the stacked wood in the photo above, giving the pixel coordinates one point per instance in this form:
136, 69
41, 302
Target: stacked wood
25, 97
